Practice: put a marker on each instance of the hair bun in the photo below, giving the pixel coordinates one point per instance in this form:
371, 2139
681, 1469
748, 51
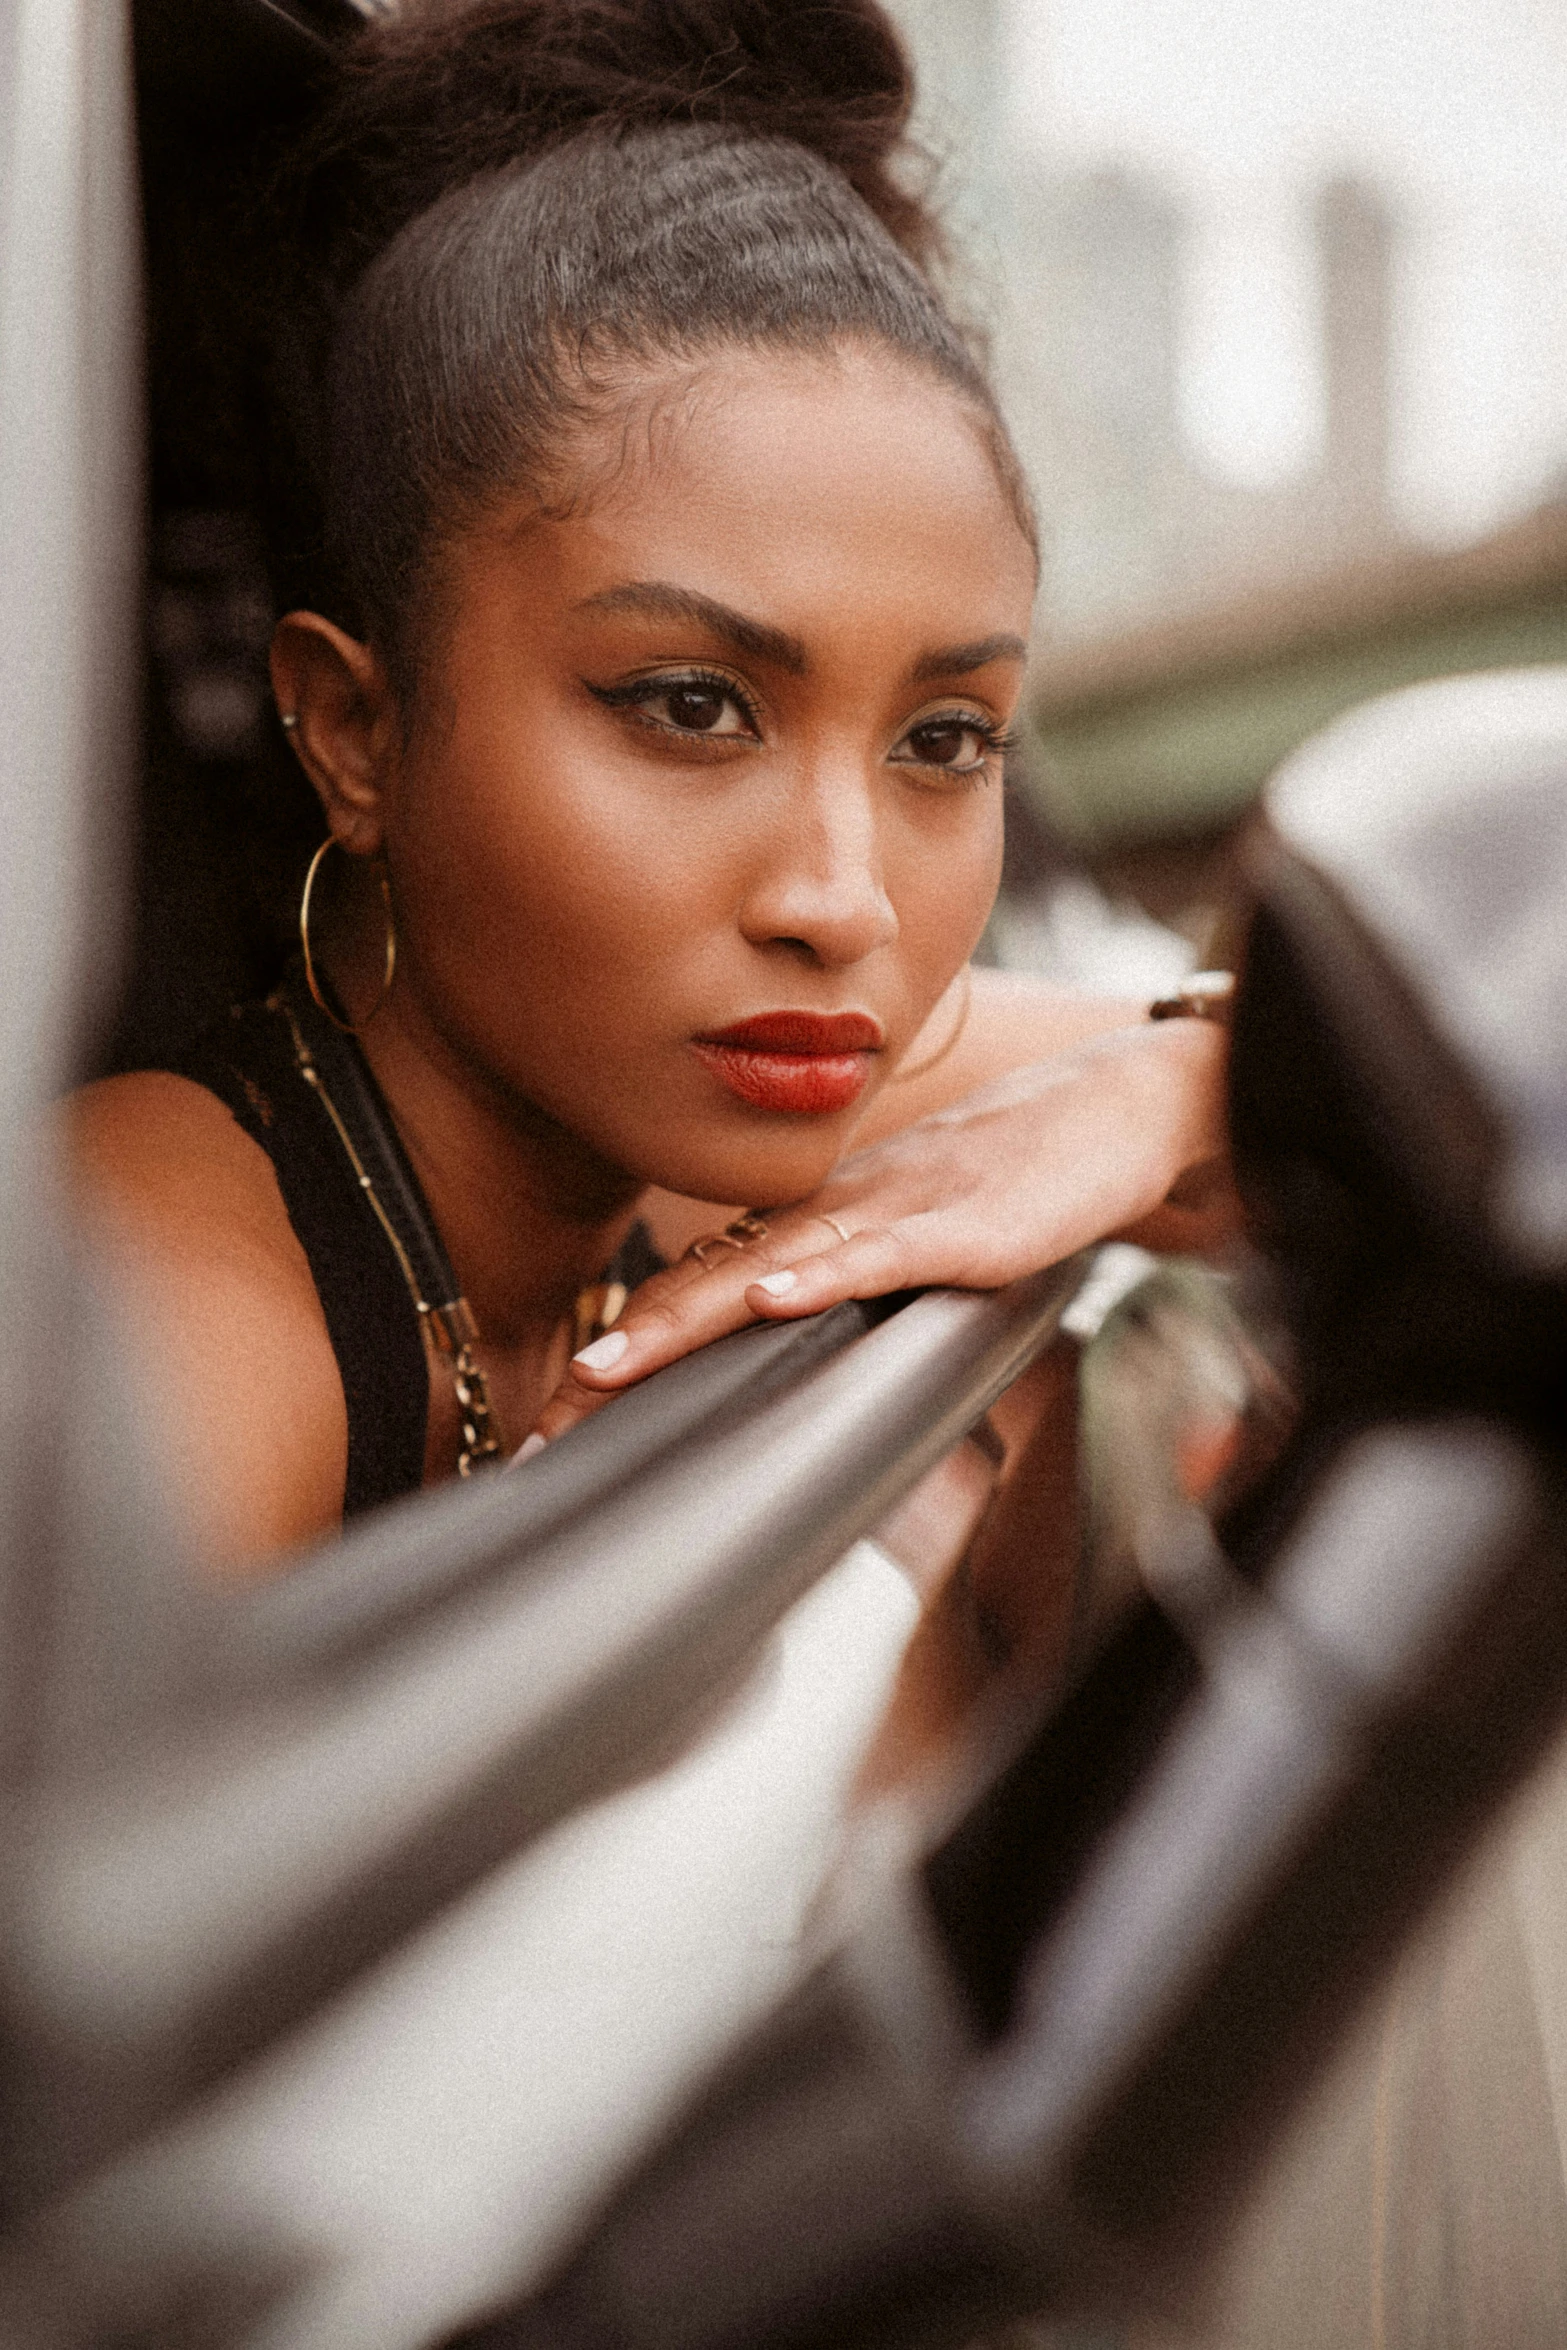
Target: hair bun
444, 92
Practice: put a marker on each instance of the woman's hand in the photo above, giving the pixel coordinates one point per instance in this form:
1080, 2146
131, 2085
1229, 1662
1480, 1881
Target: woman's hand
1013, 1177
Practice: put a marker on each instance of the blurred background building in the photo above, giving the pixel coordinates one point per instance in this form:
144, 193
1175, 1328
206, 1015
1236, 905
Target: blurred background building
1277, 299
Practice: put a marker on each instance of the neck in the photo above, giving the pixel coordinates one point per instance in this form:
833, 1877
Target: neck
529, 1213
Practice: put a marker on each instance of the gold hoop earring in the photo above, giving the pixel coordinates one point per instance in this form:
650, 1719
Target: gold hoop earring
349, 1027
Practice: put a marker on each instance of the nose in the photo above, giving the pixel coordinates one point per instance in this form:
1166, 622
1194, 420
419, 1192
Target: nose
818, 889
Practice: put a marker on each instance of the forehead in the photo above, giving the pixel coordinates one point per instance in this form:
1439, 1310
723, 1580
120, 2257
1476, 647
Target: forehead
825, 489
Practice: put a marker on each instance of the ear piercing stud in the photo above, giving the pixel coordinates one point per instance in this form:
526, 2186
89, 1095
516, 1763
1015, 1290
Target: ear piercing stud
288, 720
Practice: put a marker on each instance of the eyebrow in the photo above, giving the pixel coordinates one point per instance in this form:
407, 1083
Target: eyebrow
962, 660
661, 600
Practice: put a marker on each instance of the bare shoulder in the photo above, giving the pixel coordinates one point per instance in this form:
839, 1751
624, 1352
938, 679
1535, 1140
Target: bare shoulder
162, 1168
148, 1146
186, 1210
1011, 1019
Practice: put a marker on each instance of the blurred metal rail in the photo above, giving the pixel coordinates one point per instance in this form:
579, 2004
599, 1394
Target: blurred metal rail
177, 1909
1193, 1871
188, 1898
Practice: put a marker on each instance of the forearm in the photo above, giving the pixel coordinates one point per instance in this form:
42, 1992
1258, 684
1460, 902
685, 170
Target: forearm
1012, 1020
1095, 1140
1021, 1174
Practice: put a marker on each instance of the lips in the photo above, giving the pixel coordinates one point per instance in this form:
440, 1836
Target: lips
808, 1063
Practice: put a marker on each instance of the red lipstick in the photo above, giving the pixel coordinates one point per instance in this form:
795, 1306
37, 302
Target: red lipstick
810, 1063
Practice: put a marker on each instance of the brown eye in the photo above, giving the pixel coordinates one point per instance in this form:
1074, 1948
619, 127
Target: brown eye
692, 704
960, 745
946, 744
698, 708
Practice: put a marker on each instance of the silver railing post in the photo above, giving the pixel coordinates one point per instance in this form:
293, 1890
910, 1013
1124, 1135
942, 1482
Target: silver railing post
83, 1541
70, 527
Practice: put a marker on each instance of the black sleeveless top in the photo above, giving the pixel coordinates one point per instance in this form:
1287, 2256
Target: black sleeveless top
249, 1061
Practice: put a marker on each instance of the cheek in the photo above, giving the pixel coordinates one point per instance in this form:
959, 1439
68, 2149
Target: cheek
545, 901
945, 881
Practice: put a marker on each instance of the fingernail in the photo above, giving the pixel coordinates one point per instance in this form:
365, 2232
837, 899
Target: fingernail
777, 1284
527, 1448
605, 1352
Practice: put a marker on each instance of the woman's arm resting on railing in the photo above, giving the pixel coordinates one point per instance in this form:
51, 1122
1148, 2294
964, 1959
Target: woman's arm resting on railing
1018, 1174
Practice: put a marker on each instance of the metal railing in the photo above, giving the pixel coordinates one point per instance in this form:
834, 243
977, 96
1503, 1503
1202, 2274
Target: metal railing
415, 1705
1195, 1869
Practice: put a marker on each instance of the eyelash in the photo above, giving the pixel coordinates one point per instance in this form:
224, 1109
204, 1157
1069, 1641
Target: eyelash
996, 741
639, 691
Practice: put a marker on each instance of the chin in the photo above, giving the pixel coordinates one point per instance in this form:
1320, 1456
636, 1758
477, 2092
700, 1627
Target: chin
755, 1172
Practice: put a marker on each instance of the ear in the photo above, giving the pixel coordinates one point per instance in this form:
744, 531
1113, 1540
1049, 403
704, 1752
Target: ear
347, 730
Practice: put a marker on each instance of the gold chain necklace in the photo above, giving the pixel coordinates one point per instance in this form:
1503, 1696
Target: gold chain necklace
449, 1323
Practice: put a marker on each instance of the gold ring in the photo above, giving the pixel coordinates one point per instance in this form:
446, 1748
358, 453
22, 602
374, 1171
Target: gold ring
738, 1235
699, 1248
836, 1226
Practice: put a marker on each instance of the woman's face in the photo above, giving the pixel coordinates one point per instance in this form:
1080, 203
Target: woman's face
701, 809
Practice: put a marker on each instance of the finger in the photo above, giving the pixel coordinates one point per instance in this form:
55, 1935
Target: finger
690, 1304
694, 1303
578, 1398
570, 1403
657, 1329
870, 1263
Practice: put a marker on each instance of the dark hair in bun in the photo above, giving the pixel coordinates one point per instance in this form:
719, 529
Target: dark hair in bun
508, 202
451, 88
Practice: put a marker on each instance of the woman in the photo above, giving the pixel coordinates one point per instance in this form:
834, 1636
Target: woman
655, 681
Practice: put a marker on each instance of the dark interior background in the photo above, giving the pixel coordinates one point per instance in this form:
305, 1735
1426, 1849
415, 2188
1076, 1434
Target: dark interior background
224, 820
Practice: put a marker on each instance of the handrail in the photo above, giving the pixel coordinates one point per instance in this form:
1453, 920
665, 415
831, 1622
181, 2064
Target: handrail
189, 1903
399, 1565
874, 2168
